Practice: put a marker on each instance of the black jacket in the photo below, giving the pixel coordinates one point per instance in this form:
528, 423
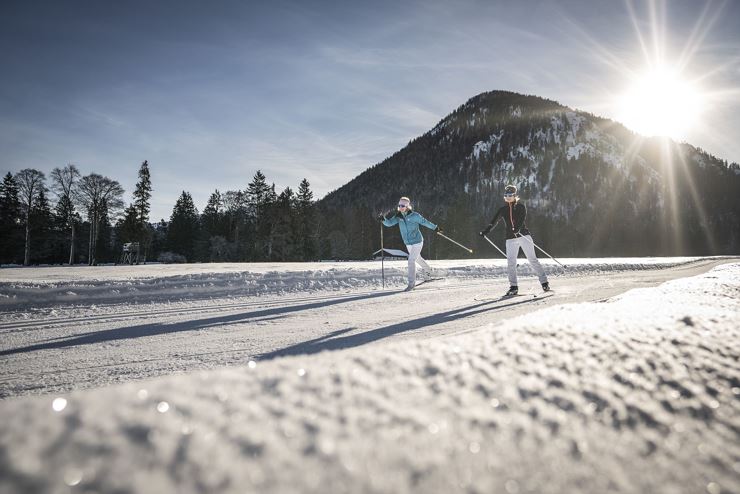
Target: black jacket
514, 215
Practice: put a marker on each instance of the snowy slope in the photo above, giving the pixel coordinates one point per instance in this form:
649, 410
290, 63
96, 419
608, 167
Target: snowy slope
637, 394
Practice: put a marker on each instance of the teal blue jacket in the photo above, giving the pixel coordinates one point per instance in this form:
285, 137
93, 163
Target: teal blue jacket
409, 225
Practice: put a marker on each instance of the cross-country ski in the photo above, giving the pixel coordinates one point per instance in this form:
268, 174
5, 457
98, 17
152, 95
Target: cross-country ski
519, 296
422, 282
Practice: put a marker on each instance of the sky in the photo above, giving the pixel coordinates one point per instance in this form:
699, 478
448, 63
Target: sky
211, 92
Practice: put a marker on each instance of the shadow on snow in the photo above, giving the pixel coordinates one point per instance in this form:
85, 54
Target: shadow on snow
335, 340
145, 330
332, 341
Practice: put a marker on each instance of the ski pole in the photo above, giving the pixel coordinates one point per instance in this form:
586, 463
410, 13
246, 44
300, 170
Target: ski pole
494, 246
382, 256
456, 243
543, 251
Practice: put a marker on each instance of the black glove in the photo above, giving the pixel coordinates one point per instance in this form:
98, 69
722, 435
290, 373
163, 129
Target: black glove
381, 217
438, 229
485, 232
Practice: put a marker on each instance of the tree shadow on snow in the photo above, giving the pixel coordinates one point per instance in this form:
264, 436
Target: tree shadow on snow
334, 341
144, 330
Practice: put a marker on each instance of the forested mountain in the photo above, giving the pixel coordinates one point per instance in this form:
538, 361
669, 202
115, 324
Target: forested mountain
592, 187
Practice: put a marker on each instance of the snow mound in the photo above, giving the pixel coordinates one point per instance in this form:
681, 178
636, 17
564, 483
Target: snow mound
636, 394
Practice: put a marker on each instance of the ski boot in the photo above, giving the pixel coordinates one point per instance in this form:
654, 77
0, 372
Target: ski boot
409, 288
546, 286
513, 290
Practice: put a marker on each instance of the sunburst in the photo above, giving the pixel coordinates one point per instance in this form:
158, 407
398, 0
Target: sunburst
660, 102
666, 90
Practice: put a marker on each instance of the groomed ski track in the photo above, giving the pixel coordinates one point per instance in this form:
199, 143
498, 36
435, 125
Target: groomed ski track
77, 347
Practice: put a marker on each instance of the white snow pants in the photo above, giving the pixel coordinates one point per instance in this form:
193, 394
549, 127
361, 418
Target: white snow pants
512, 251
414, 257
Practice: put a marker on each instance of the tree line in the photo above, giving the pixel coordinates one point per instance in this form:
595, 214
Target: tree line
70, 218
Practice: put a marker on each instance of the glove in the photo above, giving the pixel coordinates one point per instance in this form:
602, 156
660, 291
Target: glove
381, 217
438, 229
485, 232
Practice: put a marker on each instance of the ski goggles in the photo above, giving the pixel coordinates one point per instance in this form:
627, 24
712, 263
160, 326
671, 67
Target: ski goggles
510, 195
403, 205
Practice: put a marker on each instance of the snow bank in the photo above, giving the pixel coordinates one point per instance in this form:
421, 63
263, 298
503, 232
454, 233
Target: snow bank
637, 394
22, 288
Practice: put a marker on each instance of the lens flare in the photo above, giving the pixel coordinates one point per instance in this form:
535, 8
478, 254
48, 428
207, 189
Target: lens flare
661, 103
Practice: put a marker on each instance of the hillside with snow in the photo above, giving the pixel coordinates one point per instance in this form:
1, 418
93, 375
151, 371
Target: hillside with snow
631, 392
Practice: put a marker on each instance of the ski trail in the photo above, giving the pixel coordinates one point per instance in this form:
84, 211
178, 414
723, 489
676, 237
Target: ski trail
79, 347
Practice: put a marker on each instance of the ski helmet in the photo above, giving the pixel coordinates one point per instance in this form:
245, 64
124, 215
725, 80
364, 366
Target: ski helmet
510, 189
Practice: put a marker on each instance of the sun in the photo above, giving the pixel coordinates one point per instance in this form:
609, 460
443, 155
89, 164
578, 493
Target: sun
660, 102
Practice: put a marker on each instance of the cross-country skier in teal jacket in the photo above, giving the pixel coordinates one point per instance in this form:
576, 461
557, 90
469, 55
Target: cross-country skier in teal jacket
408, 222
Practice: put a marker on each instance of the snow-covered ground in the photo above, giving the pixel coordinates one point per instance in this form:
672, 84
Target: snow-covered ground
202, 320
638, 393
22, 288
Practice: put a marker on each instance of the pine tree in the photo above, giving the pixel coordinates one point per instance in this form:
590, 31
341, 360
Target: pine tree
142, 197
212, 218
260, 198
128, 227
214, 229
236, 217
182, 231
143, 193
283, 235
267, 223
159, 238
104, 241
258, 191
11, 233
306, 237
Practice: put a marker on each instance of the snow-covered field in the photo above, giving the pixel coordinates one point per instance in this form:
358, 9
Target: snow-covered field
637, 393
23, 288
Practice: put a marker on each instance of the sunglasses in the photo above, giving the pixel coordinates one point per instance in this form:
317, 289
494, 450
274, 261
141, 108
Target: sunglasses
403, 205
509, 195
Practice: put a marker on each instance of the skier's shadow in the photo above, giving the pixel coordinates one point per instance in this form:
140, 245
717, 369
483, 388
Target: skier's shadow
334, 341
144, 330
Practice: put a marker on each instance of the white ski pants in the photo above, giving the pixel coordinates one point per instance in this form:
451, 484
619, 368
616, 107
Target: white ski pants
512, 251
414, 257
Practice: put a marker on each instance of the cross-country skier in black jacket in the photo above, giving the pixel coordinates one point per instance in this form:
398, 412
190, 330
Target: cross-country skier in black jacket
514, 214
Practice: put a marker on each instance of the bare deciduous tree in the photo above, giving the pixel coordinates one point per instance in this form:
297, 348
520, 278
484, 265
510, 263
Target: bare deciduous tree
100, 196
64, 184
30, 184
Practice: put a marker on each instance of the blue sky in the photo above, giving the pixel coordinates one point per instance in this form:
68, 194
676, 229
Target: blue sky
210, 92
